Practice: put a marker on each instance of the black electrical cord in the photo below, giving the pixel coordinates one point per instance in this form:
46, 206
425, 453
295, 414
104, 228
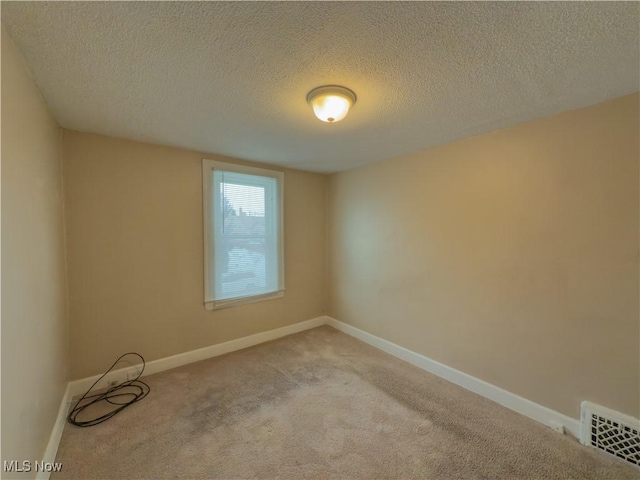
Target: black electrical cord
137, 390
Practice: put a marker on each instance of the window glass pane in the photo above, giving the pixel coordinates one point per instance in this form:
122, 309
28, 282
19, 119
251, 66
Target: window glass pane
243, 266
243, 208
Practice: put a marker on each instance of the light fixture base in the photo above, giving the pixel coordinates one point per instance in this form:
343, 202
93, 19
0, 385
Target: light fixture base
329, 89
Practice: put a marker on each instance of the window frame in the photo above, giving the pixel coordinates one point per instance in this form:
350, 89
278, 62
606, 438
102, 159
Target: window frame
208, 166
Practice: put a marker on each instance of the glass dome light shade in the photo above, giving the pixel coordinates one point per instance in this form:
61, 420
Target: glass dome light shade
331, 103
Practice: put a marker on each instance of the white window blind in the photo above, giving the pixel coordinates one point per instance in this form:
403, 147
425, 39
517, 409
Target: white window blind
243, 234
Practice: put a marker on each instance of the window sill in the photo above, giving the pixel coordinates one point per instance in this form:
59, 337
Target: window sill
234, 302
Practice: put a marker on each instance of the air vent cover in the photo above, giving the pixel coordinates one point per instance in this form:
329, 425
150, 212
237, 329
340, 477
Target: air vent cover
611, 431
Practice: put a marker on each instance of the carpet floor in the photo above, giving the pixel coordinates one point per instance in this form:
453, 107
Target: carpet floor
320, 404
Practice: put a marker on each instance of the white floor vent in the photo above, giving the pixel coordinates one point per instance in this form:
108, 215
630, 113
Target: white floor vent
611, 431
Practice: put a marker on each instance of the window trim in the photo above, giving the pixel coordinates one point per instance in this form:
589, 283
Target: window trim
207, 203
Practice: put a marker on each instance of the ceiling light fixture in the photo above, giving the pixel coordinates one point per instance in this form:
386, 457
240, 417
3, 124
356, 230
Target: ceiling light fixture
331, 103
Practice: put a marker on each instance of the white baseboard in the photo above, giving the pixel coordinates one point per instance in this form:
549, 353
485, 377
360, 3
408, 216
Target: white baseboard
514, 402
507, 399
56, 434
78, 387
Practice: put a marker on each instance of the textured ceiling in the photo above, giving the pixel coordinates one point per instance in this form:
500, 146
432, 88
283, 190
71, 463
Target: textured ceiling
231, 78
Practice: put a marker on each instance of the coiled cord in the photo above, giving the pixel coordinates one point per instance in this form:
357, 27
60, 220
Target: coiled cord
114, 395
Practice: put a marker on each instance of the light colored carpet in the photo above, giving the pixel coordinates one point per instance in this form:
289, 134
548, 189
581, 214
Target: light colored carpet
320, 404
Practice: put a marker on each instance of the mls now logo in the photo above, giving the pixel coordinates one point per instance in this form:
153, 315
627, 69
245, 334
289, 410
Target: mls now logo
28, 466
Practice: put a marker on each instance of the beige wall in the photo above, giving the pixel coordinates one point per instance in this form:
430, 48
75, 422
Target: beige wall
34, 327
135, 253
511, 256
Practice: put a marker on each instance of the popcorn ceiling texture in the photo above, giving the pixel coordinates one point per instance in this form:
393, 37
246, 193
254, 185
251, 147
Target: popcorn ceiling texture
231, 78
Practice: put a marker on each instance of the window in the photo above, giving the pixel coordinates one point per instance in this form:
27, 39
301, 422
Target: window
243, 238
